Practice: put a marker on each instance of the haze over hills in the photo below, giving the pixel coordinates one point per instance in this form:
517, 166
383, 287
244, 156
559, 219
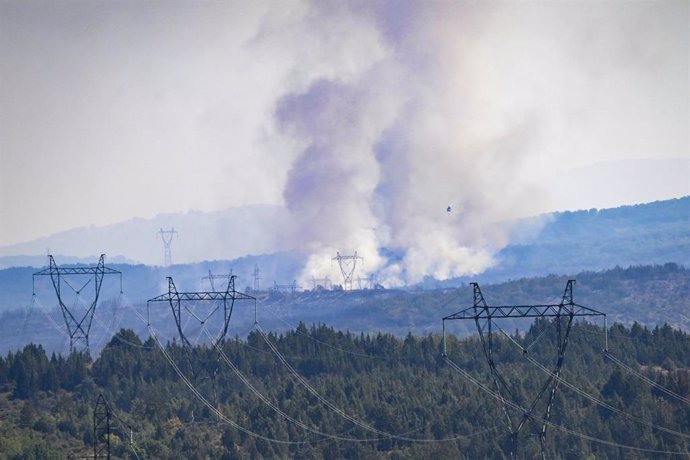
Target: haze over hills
540, 244
548, 249
643, 234
228, 234
648, 295
559, 243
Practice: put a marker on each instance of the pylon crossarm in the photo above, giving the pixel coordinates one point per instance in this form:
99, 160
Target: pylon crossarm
201, 296
79, 271
176, 299
524, 311
230, 277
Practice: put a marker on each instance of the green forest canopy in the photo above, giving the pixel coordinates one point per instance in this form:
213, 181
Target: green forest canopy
399, 386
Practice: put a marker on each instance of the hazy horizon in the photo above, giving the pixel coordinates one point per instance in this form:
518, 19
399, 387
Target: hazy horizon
138, 241
364, 121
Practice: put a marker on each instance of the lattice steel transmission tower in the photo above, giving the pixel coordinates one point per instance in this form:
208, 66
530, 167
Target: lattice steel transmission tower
518, 414
321, 283
78, 323
167, 237
285, 287
101, 429
366, 283
347, 266
257, 278
177, 301
212, 277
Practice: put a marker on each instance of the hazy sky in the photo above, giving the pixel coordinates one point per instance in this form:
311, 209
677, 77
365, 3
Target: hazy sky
366, 112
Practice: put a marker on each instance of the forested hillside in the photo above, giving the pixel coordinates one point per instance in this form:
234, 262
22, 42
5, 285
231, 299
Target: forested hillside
321, 393
569, 242
649, 295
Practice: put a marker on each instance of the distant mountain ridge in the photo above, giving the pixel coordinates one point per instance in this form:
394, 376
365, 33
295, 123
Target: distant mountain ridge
559, 243
644, 234
226, 234
652, 239
562, 242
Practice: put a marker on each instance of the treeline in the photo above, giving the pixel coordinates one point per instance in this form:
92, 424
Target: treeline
361, 396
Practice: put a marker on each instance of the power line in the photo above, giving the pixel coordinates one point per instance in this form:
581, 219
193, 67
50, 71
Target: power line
646, 379
593, 398
335, 408
500, 398
266, 401
210, 406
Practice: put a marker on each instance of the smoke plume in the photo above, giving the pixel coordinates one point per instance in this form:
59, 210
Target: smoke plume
365, 119
399, 109
386, 143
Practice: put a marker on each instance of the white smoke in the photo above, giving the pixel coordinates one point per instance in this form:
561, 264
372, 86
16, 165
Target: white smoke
385, 143
397, 109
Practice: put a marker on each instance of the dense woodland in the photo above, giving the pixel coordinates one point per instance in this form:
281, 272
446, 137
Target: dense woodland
372, 396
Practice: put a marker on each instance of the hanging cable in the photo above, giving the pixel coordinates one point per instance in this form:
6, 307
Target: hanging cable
594, 399
337, 437
646, 379
497, 396
277, 409
211, 407
335, 408
608, 406
78, 291
534, 342
29, 309
131, 437
45, 313
36, 304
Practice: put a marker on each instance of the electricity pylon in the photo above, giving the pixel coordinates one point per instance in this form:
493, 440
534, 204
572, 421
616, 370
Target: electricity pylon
101, 429
177, 301
484, 317
78, 325
167, 237
257, 278
347, 266
212, 277
285, 287
321, 283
